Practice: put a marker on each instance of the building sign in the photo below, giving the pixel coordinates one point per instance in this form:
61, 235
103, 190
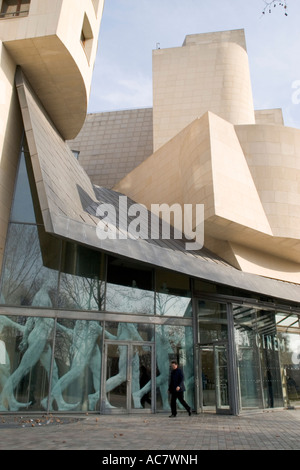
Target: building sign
268, 342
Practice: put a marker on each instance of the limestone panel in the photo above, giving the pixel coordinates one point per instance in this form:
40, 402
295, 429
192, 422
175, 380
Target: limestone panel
10, 140
110, 145
201, 76
56, 46
269, 116
226, 168
273, 156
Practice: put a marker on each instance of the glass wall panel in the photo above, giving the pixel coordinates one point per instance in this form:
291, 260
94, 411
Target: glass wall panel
212, 321
22, 207
173, 295
128, 366
129, 331
129, 288
30, 270
213, 338
215, 377
25, 366
258, 357
81, 285
207, 361
247, 357
173, 342
77, 366
288, 345
128, 376
141, 390
116, 377
269, 358
221, 376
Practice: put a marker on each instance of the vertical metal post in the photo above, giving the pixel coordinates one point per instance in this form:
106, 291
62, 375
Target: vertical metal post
232, 365
197, 378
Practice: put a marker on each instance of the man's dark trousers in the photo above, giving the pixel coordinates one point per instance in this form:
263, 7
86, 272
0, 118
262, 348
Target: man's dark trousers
178, 396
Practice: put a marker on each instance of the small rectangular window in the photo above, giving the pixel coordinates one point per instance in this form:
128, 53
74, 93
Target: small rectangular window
76, 153
14, 8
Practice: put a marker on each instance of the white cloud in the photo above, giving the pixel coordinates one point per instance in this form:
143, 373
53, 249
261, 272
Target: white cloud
115, 88
130, 92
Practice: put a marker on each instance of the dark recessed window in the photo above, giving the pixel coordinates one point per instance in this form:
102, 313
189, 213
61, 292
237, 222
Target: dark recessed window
14, 8
76, 153
86, 37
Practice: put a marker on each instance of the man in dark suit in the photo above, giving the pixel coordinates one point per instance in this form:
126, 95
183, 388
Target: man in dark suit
176, 389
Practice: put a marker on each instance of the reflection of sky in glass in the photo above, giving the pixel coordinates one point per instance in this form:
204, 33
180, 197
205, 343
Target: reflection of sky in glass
25, 278
129, 299
79, 292
294, 345
22, 210
283, 319
292, 342
172, 305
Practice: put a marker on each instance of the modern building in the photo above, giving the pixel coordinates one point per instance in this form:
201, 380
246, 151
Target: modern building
101, 283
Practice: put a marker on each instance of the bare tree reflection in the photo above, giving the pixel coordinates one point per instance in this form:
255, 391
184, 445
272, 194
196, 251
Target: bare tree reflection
22, 266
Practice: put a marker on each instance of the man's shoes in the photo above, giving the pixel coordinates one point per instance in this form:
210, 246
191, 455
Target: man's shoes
172, 416
189, 412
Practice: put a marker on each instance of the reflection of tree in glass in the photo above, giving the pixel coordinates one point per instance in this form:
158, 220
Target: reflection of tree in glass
24, 273
84, 352
171, 340
36, 345
78, 292
22, 265
172, 305
129, 299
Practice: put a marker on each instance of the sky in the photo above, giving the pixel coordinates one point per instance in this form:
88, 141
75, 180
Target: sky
132, 29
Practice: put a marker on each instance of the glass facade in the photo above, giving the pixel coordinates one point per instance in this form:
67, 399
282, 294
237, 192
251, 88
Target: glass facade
30, 272
173, 294
81, 280
83, 331
129, 287
289, 351
76, 366
258, 356
26, 371
213, 344
56, 365
173, 343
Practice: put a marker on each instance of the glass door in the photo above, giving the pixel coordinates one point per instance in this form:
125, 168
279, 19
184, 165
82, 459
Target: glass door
127, 377
221, 378
207, 374
214, 372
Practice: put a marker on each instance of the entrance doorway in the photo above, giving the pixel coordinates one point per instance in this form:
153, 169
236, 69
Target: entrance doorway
214, 394
128, 377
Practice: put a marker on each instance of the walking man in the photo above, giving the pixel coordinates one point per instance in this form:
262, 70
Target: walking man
176, 389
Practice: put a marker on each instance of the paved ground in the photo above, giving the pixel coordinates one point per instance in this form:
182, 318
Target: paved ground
268, 430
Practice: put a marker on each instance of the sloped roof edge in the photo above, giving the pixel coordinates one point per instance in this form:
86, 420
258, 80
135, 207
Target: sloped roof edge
68, 198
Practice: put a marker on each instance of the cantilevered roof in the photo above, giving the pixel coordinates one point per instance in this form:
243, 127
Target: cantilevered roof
69, 202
